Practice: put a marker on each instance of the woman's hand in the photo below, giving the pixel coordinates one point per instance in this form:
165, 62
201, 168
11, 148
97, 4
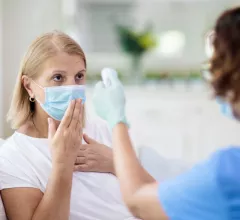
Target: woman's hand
94, 157
109, 102
54, 203
66, 140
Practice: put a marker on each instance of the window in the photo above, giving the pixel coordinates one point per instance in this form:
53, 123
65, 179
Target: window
101, 18
171, 43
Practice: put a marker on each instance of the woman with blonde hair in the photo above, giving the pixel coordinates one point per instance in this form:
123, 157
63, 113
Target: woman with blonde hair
38, 161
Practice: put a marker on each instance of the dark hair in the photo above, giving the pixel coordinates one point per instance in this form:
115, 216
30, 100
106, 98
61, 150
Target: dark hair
225, 63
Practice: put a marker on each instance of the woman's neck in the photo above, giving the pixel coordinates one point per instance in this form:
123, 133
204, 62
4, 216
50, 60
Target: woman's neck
40, 126
36, 126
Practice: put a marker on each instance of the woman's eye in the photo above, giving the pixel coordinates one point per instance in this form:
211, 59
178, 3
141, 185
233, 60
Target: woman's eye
58, 78
79, 76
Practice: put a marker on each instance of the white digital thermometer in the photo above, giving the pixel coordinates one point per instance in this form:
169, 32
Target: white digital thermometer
106, 74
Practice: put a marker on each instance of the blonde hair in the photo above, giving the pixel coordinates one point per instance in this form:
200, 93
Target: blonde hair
41, 49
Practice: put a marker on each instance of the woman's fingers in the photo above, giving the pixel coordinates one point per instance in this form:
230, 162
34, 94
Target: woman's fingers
80, 120
81, 160
68, 116
75, 115
82, 168
51, 128
82, 151
89, 140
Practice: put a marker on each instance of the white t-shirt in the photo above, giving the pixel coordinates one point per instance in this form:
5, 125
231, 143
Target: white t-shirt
25, 162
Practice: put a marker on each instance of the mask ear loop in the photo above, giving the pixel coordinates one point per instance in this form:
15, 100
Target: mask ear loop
40, 88
37, 84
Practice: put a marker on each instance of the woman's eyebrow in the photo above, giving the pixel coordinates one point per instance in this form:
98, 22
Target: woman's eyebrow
64, 72
59, 71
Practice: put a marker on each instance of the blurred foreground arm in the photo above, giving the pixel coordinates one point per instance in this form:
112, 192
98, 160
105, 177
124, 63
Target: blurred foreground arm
138, 188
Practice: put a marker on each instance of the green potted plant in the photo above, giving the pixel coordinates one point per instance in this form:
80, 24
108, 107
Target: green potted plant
135, 44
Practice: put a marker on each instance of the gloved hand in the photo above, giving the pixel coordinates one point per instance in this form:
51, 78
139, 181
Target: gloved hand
109, 102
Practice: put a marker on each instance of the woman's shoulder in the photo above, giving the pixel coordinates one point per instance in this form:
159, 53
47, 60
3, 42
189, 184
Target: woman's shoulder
8, 145
10, 150
10, 153
18, 163
20, 145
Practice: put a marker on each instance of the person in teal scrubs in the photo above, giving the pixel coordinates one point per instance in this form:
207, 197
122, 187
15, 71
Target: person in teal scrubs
211, 189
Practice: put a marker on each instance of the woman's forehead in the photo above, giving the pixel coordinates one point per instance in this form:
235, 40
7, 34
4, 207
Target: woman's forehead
63, 62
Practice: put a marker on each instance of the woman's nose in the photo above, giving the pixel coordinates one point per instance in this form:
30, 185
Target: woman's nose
70, 82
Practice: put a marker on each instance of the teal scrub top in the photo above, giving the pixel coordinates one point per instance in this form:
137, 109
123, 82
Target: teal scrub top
209, 191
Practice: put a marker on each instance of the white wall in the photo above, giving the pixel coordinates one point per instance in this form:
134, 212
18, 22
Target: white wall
22, 21
194, 18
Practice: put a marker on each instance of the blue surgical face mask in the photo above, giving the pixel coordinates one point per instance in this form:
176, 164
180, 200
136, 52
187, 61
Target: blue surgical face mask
225, 108
57, 99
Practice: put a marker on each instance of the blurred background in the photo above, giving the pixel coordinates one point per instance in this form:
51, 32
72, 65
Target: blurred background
157, 46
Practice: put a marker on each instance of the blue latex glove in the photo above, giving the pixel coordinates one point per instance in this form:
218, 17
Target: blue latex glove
109, 102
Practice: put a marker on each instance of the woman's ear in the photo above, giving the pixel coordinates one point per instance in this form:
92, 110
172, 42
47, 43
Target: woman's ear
27, 85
